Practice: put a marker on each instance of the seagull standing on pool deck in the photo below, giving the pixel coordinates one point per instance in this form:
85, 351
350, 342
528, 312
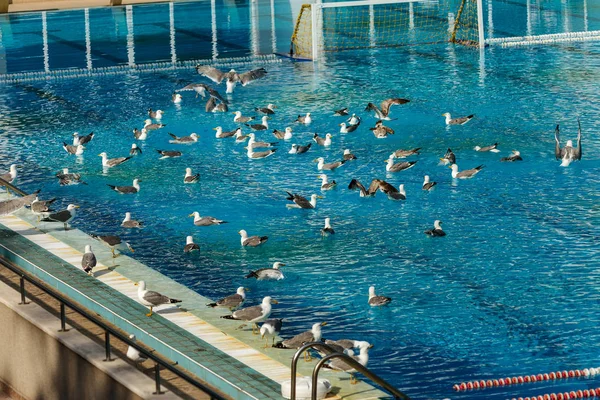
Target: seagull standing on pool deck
64, 216
270, 327
313, 335
253, 314
152, 299
232, 302
88, 261
363, 358
113, 242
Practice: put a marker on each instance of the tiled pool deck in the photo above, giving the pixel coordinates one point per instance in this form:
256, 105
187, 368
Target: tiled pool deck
194, 335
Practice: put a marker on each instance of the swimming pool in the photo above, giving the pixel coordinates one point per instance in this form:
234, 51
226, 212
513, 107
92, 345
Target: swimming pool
509, 291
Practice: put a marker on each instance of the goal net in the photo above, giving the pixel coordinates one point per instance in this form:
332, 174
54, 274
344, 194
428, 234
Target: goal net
349, 25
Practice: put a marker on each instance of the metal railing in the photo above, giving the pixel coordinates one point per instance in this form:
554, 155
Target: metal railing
348, 360
108, 330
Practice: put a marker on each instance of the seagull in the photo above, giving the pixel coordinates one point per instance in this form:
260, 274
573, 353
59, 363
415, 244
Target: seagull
514, 156
11, 175
134, 354
241, 119
214, 74
270, 327
399, 195
190, 245
428, 185
262, 126
193, 138
466, 174
302, 202
81, 140
140, 134
457, 121
330, 166
353, 120
348, 128
449, 158
41, 207
158, 114
201, 89
387, 188
325, 184
285, 135
299, 149
567, 153
135, 150
254, 314
304, 119
149, 126
265, 274
88, 261
176, 98
252, 143
134, 188
66, 178
64, 216
327, 229
313, 335
348, 155
341, 112
437, 229
381, 131
206, 220
239, 138
322, 141
492, 148
113, 242
220, 134
10, 206
383, 111
401, 166
112, 162
259, 154
232, 302
131, 223
363, 358
406, 153
152, 299
247, 77
212, 106
375, 300
355, 184
169, 154
76, 150
189, 177
251, 241
269, 109
232, 77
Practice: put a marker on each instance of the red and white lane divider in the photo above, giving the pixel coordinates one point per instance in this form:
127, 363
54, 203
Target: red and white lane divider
579, 394
514, 380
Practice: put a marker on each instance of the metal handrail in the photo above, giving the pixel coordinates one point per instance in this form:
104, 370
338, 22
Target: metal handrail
12, 187
159, 362
349, 360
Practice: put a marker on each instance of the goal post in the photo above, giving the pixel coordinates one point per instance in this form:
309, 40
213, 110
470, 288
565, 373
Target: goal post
324, 27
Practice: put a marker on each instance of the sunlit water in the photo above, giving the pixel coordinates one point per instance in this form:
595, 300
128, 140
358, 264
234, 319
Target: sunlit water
512, 289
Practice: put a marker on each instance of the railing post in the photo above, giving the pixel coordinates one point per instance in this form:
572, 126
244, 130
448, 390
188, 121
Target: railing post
157, 378
23, 298
107, 345
63, 318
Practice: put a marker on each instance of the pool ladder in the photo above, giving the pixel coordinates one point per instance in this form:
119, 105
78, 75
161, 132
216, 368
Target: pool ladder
349, 360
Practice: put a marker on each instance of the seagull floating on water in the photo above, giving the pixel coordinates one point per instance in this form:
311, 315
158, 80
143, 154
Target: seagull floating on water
206, 220
134, 188
239, 138
353, 120
221, 134
252, 143
383, 111
259, 154
265, 274
299, 149
193, 138
348, 155
375, 300
140, 134
341, 112
348, 128
401, 166
158, 114
152, 299
302, 202
285, 135
457, 121
399, 195
232, 302
190, 245
169, 154
466, 174
189, 177
262, 126
131, 223
327, 229
251, 241
112, 162
325, 184
66, 178
437, 229
135, 150
329, 166
428, 185
568, 153
326, 141
269, 109
212, 106
381, 131
406, 153
239, 118
492, 148
88, 261
304, 119
514, 156
254, 314
82, 140
76, 150
176, 98
149, 126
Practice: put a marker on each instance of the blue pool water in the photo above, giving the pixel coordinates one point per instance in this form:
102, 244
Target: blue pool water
511, 290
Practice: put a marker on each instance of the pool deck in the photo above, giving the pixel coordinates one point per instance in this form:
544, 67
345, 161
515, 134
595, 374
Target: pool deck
194, 335
14, 6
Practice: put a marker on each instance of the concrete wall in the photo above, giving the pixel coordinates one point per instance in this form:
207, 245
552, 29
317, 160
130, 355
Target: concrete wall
38, 362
